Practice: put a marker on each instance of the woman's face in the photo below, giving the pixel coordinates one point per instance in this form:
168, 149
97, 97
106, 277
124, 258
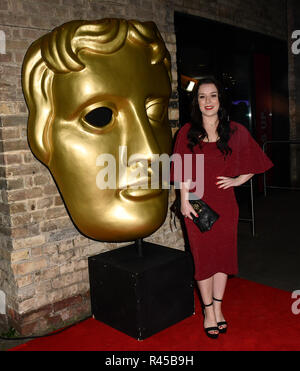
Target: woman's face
208, 99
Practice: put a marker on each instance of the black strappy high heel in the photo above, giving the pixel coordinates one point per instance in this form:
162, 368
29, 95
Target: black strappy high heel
222, 323
207, 329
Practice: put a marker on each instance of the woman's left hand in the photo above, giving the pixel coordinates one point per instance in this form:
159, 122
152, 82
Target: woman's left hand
227, 182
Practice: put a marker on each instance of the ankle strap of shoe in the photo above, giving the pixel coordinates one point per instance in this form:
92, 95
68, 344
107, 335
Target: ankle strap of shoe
208, 305
217, 299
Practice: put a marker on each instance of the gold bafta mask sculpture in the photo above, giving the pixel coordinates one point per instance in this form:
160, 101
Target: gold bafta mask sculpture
98, 88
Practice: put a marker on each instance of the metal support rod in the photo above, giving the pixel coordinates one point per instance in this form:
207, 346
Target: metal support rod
252, 207
139, 244
252, 219
277, 142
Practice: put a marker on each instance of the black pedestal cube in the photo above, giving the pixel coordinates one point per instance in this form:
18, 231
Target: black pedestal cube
141, 290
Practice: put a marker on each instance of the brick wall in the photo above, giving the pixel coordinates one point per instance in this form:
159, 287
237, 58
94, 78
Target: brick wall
43, 258
293, 15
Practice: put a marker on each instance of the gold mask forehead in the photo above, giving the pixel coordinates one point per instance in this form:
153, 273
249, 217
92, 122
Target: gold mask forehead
60, 48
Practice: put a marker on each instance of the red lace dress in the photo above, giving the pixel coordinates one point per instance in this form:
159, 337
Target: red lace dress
216, 250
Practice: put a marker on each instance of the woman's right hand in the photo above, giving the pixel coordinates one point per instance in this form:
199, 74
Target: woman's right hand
187, 209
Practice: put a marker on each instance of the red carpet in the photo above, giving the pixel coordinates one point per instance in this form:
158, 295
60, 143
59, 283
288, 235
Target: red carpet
259, 317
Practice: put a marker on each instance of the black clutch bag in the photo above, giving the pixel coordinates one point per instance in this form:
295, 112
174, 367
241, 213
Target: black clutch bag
206, 215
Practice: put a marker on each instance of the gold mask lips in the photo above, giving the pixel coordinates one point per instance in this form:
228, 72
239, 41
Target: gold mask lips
91, 87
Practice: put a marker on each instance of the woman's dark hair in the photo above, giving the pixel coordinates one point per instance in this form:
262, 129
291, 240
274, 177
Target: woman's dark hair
197, 131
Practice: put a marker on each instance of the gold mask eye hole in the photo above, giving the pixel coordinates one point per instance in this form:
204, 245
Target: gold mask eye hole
99, 117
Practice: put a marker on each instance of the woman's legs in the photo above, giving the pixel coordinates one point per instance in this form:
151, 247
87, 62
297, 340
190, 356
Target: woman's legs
219, 285
206, 291
213, 286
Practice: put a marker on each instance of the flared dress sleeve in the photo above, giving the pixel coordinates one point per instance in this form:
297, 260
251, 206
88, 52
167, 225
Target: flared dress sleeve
247, 156
180, 150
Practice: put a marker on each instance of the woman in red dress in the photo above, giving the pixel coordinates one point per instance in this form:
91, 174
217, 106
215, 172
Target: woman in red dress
231, 158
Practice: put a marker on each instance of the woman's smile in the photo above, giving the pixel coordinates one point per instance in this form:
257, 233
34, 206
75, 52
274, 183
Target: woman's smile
208, 99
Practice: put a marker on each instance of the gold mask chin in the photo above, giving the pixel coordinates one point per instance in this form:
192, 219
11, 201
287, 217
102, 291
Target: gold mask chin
101, 88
